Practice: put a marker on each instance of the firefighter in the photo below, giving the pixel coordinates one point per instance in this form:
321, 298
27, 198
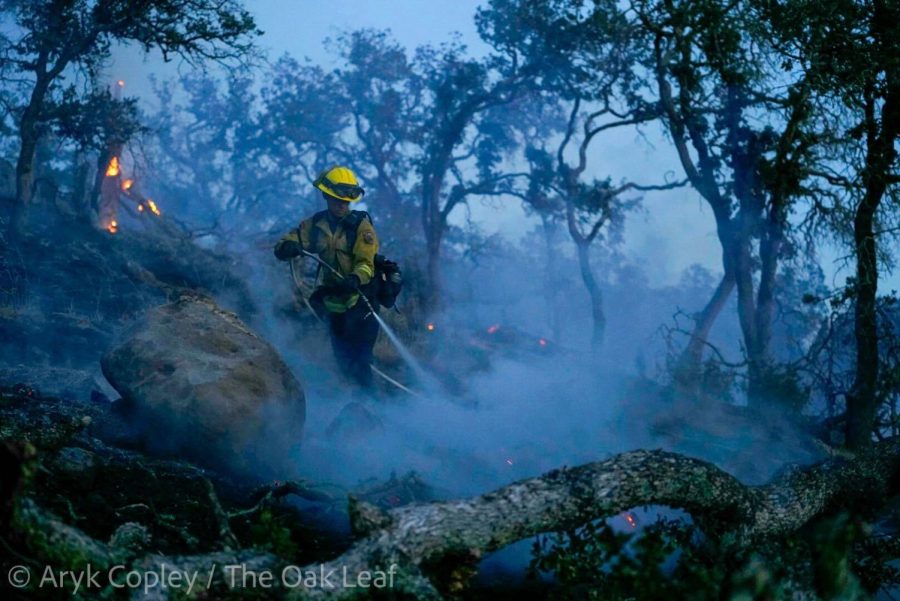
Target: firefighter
344, 239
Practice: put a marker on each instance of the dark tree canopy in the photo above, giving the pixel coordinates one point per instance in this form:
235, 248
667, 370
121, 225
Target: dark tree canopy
54, 49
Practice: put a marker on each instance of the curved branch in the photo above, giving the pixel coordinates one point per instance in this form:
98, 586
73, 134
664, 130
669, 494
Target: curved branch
648, 187
412, 538
595, 230
570, 131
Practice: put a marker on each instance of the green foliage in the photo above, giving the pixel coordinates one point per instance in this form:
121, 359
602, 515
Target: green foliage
270, 533
95, 120
595, 562
872, 565
54, 52
784, 387
83, 31
716, 380
832, 542
835, 558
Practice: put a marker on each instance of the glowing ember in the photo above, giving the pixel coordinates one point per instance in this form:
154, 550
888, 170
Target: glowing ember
493, 329
542, 342
430, 327
113, 169
141, 208
509, 461
127, 184
153, 208
113, 227
632, 521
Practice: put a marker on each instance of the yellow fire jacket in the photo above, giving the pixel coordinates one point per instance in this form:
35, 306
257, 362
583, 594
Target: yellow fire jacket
349, 245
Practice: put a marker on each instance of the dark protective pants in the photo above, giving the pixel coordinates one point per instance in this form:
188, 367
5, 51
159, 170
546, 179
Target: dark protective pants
353, 335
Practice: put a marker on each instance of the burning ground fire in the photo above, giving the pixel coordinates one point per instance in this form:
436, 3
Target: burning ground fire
510, 335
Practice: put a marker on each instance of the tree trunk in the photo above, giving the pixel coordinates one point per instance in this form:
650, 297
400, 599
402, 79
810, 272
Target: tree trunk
550, 277
97, 181
881, 154
587, 275
25, 164
862, 403
80, 174
433, 248
757, 353
759, 389
433, 225
688, 370
28, 140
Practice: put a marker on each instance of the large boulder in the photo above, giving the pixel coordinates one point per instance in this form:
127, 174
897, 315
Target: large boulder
198, 383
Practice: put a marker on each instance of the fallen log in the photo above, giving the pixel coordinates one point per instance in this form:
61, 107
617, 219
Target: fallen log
418, 538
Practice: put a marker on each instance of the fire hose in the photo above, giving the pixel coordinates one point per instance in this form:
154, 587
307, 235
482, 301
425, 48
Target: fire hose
375, 370
327, 265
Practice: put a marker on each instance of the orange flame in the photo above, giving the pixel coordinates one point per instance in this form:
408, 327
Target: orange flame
430, 327
153, 208
127, 184
141, 208
113, 169
121, 83
113, 227
632, 521
493, 329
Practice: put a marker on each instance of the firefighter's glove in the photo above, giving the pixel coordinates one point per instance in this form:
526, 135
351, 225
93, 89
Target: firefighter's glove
289, 249
348, 284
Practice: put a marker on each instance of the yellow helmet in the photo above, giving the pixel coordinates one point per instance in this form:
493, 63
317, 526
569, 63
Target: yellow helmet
341, 183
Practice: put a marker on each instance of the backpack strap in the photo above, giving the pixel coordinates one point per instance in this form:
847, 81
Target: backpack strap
351, 225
